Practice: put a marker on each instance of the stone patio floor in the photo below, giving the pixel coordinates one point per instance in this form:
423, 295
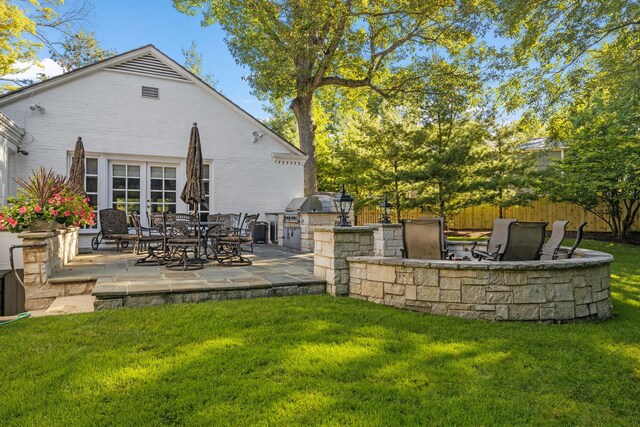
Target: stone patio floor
117, 276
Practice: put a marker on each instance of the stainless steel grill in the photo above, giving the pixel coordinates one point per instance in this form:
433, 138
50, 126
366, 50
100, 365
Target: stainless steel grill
292, 230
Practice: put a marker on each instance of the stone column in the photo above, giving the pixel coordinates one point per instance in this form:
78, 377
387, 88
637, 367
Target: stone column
332, 247
40, 262
387, 240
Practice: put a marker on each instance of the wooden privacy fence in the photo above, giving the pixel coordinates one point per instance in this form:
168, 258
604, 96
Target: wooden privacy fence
481, 217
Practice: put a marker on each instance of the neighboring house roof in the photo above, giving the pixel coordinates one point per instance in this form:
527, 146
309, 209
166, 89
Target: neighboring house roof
10, 130
541, 144
152, 61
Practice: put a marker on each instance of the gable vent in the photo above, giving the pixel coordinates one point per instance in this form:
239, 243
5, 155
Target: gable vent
149, 65
150, 92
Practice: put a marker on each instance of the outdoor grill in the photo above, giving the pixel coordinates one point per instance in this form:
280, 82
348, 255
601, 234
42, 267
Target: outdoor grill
292, 229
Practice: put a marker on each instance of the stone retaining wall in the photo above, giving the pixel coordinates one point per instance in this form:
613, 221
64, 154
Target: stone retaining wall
561, 290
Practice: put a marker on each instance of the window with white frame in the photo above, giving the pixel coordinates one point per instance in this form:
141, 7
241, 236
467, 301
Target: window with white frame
125, 187
163, 189
91, 185
204, 211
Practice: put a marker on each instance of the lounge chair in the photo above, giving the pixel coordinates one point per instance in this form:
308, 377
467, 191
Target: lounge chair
550, 249
497, 241
113, 226
524, 242
564, 253
423, 239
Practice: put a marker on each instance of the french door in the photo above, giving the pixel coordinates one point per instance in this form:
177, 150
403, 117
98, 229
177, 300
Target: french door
143, 186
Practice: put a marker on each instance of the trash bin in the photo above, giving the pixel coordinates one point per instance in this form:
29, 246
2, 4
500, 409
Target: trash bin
260, 232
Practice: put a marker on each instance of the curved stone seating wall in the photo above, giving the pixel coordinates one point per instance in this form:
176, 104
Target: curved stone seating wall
559, 290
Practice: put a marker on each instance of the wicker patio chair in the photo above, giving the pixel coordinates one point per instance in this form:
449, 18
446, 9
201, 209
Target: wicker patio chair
423, 239
551, 248
150, 240
524, 242
496, 244
564, 253
182, 236
113, 226
229, 247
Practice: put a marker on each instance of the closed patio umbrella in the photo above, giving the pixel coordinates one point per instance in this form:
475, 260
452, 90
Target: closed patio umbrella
193, 192
76, 173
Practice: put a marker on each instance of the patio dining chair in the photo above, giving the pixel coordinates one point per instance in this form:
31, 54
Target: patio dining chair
182, 237
551, 248
564, 253
113, 226
149, 239
423, 239
228, 226
524, 242
497, 242
229, 249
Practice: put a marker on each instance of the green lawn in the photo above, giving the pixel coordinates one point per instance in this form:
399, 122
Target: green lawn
323, 360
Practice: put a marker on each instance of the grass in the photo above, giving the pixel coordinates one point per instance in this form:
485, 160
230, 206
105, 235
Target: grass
323, 361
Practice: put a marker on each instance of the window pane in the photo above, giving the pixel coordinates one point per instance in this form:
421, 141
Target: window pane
119, 196
170, 197
156, 184
133, 183
156, 172
92, 166
134, 196
91, 185
170, 185
156, 195
119, 170
133, 171
169, 172
119, 183
205, 171
171, 208
93, 200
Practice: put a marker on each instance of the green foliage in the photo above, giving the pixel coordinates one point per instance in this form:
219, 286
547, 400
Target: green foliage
79, 50
600, 131
320, 360
193, 63
509, 171
295, 48
14, 47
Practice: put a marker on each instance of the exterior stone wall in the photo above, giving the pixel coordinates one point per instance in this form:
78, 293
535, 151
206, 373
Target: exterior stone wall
560, 290
309, 221
387, 240
332, 247
42, 261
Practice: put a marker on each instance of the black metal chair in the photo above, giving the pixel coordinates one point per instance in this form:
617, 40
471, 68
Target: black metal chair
424, 239
229, 249
564, 253
113, 226
148, 238
182, 236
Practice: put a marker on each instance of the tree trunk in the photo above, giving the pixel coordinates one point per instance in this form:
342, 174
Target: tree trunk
302, 108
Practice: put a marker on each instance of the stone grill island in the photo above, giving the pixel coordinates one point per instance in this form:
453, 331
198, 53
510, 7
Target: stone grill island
549, 291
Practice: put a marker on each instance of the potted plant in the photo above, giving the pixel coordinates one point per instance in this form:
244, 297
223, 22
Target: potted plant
44, 202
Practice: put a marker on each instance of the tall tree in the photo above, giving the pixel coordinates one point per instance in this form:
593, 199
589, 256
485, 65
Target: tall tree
509, 170
295, 48
193, 63
554, 40
78, 50
600, 171
28, 25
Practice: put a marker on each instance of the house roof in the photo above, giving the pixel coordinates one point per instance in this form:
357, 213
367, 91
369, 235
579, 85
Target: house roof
152, 61
541, 144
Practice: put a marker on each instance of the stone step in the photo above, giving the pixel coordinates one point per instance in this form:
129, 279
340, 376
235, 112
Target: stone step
71, 304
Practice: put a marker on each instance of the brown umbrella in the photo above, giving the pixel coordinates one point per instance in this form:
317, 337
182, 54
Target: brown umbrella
76, 173
193, 192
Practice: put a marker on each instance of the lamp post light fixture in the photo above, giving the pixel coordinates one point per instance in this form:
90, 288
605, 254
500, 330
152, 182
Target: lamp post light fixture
385, 207
343, 206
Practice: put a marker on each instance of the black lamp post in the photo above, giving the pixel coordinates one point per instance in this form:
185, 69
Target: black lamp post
343, 206
386, 207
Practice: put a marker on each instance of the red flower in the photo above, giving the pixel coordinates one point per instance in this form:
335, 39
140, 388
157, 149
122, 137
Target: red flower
51, 200
37, 209
67, 213
54, 212
12, 222
23, 209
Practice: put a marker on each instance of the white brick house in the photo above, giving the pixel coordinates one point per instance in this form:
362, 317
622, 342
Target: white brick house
134, 113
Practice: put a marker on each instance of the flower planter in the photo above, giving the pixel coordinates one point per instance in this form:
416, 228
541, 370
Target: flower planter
43, 225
